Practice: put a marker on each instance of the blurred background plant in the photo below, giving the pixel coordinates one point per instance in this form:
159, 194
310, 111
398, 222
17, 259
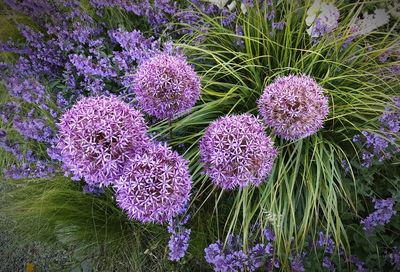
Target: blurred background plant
54, 52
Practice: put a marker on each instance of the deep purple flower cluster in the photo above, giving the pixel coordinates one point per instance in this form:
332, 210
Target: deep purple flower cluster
326, 242
138, 7
327, 263
166, 85
35, 129
159, 13
39, 169
294, 106
154, 185
91, 189
98, 136
30, 91
395, 258
135, 47
360, 265
296, 263
236, 151
179, 240
31, 167
382, 215
377, 146
232, 258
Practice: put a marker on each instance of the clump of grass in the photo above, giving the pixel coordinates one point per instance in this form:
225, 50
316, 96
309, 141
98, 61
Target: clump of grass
55, 210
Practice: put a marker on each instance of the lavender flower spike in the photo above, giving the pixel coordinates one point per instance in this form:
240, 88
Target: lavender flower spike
97, 137
383, 214
236, 152
178, 244
294, 106
166, 85
155, 185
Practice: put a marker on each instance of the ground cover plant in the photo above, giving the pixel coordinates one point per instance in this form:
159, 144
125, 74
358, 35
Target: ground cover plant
200, 135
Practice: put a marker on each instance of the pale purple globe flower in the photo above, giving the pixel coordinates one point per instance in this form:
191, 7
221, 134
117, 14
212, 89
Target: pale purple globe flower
155, 185
236, 151
97, 136
166, 86
294, 106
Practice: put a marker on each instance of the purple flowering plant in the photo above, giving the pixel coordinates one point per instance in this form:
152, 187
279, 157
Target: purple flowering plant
90, 89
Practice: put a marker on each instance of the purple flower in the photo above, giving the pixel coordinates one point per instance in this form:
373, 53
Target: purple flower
179, 240
296, 264
39, 169
155, 185
232, 258
91, 189
382, 215
236, 151
34, 128
278, 25
395, 258
135, 46
178, 244
269, 234
326, 242
358, 263
98, 136
378, 147
257, 256
327, 263
390, 120
166, 85
29, 90
294, 106
212, 252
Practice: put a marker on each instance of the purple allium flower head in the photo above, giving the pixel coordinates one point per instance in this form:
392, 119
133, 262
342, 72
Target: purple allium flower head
236, 151
294, 106
97, 137
155, 185
166, 85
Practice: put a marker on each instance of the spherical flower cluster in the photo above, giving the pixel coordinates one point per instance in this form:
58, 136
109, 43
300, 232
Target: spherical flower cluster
294, 106
155, 185
166, 85
236, 152
97, 136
